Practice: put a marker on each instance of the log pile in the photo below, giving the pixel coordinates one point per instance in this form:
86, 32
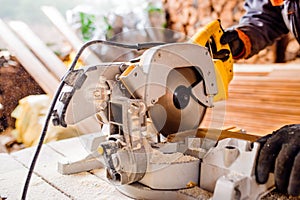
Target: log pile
187, 16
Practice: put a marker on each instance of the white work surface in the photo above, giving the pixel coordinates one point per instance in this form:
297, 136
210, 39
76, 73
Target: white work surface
47, 183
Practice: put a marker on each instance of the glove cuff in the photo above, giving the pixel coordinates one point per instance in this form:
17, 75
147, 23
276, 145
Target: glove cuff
247, 44
277, 2
240, 55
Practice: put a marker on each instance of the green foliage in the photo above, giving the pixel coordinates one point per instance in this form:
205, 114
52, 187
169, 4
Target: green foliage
109, 29
87, 25
151, 8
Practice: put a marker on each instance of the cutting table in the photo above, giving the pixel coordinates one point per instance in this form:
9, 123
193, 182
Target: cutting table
48, 183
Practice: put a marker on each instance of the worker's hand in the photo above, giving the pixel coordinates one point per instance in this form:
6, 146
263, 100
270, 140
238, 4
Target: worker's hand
236, 45
280, 153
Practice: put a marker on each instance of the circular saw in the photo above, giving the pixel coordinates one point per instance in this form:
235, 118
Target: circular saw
170, 86
178, 109
175, 82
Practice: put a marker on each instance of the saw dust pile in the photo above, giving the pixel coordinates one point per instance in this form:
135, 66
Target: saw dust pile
15, 84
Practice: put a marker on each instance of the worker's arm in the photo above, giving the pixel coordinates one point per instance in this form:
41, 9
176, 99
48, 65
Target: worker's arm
280, 153
260, 26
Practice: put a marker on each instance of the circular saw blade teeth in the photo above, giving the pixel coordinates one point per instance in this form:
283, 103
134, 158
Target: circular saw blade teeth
177, 110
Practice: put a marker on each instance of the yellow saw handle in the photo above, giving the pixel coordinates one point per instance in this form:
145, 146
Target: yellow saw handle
223, 68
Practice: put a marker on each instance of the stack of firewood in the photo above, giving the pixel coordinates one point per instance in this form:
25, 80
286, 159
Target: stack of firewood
187, 16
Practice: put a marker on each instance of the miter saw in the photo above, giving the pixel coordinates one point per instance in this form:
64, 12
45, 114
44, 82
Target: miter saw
149, 110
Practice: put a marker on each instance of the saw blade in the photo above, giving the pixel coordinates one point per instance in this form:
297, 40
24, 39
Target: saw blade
178, 110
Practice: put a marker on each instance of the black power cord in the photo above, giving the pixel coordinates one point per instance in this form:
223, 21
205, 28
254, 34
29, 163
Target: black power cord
138, 46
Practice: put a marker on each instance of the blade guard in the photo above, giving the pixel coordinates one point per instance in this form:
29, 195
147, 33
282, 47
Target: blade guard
150, 80
223, 67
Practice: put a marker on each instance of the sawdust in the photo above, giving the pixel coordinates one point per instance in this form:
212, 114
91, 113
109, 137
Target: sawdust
158, 157
278, 196
197, 193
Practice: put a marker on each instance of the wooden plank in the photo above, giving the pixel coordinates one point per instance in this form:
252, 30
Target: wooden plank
258, 100
221, 134
67, 148
33, 66
50, 60
12, 179
246, 70
287, 70
268, 109
256, 119
277, 92
77, 186
85, 185
263, 103
265, 79
60, 23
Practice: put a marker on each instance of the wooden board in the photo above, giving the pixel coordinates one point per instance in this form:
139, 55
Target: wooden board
50, 60
60, 23
83, 185
33, 66
12, 178
260, 100
47, 183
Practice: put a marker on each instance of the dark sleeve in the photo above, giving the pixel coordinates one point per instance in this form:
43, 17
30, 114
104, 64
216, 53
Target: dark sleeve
262, 23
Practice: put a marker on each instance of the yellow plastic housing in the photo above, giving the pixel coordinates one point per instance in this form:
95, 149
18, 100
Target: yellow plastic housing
223, 69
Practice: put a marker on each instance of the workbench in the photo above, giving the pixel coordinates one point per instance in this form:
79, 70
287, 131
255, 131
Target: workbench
48, 183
